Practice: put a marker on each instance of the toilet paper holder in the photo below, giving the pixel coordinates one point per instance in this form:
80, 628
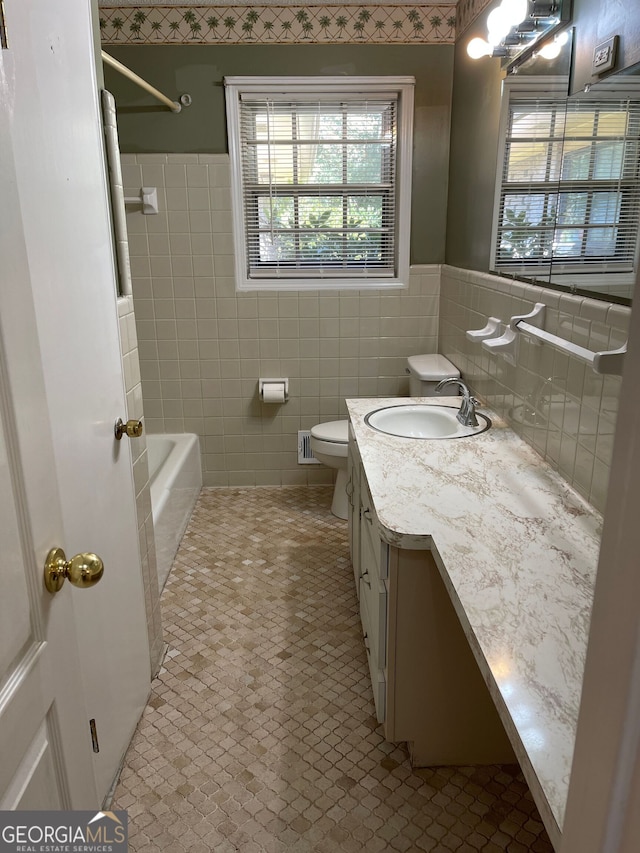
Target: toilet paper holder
277, 390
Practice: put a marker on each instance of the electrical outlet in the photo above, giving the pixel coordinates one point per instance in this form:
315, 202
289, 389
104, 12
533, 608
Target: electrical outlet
604, 55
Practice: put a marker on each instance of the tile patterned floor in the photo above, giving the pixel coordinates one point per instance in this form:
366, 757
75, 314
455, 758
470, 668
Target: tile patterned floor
260, 734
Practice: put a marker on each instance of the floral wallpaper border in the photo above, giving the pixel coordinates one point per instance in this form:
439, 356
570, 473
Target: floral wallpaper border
406, 24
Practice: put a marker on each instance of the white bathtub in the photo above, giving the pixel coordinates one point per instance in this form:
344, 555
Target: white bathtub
175, 473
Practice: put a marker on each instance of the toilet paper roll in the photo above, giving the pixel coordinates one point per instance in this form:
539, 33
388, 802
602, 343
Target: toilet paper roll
273, 392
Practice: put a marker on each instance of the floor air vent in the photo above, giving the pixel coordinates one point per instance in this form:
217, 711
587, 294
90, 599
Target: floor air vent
305, 454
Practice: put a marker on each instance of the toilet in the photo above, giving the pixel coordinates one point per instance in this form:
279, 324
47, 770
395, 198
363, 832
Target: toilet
329, 444
330, 440
425, 371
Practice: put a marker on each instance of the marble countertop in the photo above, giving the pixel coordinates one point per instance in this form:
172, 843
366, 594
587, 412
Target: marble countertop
517, 548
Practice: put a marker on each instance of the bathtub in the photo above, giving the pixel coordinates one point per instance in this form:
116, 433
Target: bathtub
175, 474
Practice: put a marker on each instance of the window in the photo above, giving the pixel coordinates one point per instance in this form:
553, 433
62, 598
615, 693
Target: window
321, 171
569, 189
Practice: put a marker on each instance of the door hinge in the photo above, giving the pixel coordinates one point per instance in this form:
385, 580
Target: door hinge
94, 736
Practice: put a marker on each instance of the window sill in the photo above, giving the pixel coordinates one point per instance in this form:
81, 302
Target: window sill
314, 284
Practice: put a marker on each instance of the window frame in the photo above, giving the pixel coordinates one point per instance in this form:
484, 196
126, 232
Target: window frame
310, 89
570, 274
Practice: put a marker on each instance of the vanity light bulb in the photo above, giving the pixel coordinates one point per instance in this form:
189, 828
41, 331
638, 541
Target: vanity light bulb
498, 24
550, 50
478, 47
516, 10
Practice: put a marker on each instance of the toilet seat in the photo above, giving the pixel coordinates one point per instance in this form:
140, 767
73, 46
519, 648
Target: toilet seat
332, 431
331, 438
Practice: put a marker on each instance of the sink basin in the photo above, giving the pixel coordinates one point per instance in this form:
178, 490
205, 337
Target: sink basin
420, 421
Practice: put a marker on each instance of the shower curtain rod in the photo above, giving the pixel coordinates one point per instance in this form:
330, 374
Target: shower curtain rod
174, 106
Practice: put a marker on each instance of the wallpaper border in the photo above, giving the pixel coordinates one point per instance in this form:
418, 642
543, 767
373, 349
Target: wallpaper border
389, 24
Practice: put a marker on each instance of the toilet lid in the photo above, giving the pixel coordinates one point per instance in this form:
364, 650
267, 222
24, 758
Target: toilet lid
332, 431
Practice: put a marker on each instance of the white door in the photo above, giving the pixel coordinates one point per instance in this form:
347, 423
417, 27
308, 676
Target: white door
49, 113
44, 738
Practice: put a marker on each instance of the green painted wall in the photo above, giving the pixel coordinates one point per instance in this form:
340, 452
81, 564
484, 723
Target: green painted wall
475, 117
200, 69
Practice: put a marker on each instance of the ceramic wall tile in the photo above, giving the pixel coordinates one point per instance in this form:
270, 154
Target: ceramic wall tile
326, 342
133, 388
551, 400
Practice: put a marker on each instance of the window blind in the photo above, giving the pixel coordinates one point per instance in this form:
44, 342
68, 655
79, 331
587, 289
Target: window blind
319, 185
570, 186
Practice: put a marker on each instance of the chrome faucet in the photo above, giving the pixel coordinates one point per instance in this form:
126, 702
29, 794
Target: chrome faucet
467, 413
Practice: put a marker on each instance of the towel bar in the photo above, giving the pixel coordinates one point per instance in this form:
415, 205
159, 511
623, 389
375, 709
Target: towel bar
607, 362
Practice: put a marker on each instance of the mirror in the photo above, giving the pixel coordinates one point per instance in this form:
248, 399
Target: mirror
569, 205
598, 213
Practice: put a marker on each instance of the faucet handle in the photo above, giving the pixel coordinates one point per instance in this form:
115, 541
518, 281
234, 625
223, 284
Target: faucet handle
467, 413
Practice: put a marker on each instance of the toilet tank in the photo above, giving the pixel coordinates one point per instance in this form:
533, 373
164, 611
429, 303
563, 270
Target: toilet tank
425, 371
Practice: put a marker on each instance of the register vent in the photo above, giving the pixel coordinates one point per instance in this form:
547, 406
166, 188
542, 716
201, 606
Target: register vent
305, 454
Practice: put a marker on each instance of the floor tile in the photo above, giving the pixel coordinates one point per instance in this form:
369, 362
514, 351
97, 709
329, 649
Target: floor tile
260, 734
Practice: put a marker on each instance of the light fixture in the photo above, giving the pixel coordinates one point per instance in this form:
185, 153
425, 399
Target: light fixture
515, 10
545, 8
498, 25
515, 26
552, 49
478, 47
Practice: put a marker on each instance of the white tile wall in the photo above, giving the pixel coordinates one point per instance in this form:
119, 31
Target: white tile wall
560, 406
203, 346
133, 386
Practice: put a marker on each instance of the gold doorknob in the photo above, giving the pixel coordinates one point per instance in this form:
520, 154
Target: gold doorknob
132, 428
83, 570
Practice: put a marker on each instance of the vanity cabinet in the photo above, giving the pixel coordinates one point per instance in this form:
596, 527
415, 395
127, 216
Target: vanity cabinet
427, 688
